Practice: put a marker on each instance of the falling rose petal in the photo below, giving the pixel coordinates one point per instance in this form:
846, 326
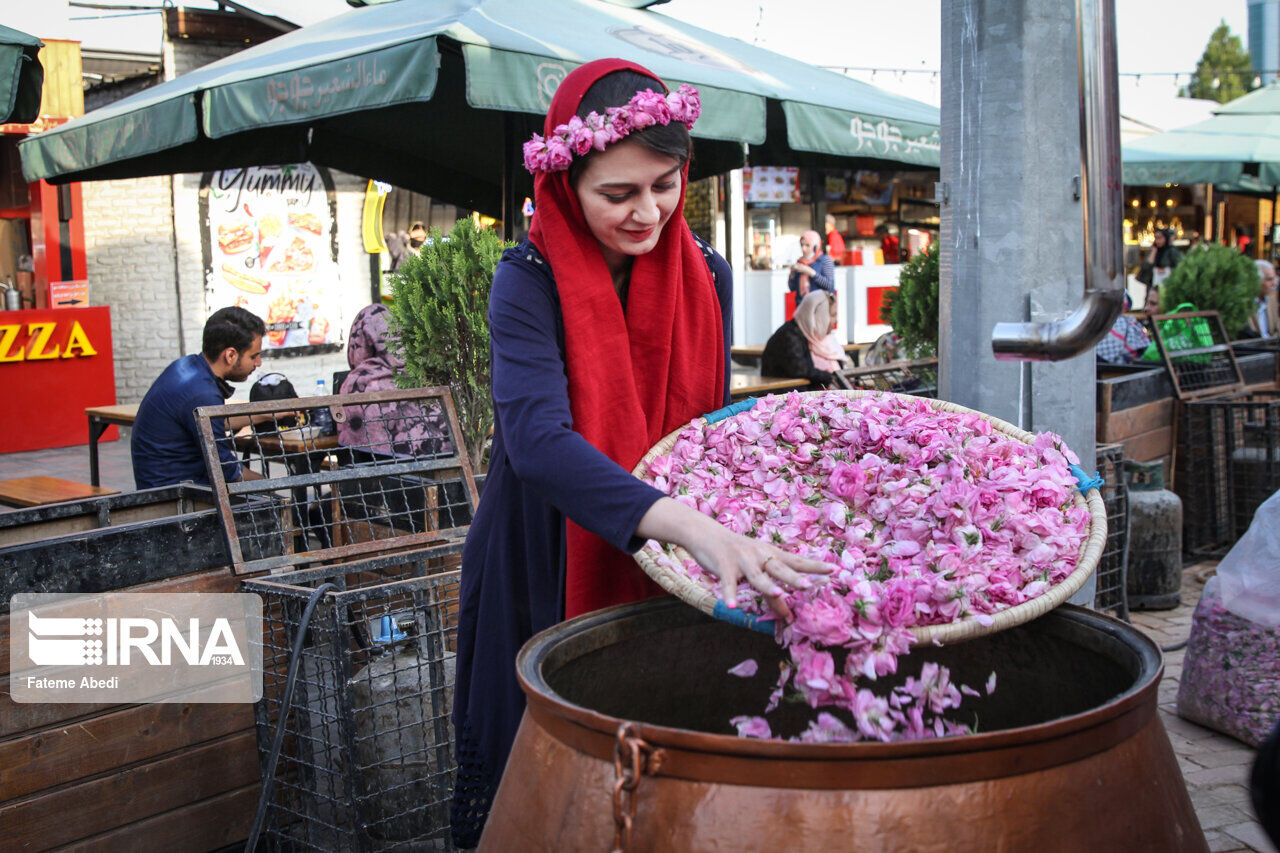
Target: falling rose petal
757, 727
991, 683
746, 669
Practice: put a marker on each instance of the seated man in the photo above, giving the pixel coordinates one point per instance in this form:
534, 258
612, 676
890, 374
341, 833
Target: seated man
166, 444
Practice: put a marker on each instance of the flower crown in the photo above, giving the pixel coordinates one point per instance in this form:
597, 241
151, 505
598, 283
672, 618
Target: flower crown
580, 135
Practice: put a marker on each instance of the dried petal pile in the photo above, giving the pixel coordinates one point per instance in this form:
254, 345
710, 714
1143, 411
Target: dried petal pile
929, 516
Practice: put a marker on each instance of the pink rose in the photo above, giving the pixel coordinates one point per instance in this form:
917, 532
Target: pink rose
558, 155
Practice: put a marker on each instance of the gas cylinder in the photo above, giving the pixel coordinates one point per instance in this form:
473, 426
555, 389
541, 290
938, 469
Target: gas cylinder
1155, 549
402, 700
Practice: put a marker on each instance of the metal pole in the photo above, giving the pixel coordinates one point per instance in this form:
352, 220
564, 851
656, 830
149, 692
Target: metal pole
1101, 189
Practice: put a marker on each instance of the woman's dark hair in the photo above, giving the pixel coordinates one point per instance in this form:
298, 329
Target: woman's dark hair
230, 327
616, 89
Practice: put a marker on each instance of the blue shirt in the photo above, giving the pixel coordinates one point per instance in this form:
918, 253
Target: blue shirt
166, 445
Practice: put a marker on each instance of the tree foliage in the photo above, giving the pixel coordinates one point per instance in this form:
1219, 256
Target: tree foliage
440, 325
913, 309
1216, 278
1226, 61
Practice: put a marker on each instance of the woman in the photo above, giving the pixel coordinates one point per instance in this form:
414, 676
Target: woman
609, 330
800, 349
1160, 260
401, 427
814, 271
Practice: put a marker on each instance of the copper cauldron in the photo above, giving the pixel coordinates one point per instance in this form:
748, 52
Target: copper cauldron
1070, 754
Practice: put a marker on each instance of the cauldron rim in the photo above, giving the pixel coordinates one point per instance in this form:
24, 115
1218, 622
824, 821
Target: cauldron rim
1052, 742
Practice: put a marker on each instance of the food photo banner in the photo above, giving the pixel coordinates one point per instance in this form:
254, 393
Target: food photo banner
270, 245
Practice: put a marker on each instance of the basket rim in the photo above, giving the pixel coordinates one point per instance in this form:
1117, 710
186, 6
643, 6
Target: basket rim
968, 628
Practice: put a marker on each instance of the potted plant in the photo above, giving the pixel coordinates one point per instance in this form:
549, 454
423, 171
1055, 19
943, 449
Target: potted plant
912, 310
1216, 278
440, 323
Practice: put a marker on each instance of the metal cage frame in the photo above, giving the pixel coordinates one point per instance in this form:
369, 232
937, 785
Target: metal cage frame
400, 498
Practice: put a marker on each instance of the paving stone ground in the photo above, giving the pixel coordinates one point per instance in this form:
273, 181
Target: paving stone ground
1215, 767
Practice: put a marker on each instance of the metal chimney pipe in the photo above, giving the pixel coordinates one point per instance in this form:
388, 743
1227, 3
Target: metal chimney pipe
1102, 193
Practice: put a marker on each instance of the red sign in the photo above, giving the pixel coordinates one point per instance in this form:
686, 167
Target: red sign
875, 299
54, 364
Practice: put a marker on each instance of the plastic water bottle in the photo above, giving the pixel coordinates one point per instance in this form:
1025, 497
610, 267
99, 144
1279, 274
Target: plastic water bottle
321, 417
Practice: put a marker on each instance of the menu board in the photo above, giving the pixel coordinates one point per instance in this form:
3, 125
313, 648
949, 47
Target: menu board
771, 184
271, 247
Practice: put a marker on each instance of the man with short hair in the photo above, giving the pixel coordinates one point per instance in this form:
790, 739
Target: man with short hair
166, 444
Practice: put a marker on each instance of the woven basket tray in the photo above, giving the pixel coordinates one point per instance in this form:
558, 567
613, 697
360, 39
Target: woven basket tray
1095, 541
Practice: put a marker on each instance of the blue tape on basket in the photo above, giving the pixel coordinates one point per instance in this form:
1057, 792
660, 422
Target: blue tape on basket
742, 620
729, 411
1087, 482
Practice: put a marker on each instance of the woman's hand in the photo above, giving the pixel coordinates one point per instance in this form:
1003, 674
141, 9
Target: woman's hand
1151, 256
804, 268
730, 556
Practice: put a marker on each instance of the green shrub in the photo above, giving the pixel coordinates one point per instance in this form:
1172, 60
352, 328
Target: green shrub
440, 324
1216, 278
913, 309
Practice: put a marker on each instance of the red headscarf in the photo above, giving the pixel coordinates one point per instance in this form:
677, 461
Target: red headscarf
633, 378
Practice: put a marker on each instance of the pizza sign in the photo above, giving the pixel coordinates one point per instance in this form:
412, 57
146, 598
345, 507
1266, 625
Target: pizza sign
270, 246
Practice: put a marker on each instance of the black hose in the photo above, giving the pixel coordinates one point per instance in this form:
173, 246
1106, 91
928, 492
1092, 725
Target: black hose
286, 701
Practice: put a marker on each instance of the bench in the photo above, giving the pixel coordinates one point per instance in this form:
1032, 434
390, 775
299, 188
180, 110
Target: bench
38, 491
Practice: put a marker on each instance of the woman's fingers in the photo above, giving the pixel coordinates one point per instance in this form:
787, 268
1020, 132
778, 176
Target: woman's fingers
806, 565
783, 573
767, 585
729, 587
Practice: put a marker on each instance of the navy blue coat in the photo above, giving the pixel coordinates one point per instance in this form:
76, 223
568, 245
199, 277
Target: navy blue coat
540, 471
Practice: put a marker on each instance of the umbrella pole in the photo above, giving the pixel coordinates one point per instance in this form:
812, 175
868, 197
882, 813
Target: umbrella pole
1275, 208
508, 179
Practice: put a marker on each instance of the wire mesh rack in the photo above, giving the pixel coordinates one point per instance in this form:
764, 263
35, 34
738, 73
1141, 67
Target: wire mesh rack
367, 760
1228, 464
389, 469
1112, 573
1198, 355
916, 376
370, 520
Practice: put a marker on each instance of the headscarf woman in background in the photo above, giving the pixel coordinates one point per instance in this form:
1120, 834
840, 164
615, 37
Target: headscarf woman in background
814, 271
398, 428
609, 329
800, 347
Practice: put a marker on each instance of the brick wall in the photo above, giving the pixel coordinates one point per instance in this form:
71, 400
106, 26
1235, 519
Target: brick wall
129, 253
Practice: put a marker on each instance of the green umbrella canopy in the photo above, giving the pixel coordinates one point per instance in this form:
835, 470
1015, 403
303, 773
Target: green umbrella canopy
438, 95
21, 76
1238, 148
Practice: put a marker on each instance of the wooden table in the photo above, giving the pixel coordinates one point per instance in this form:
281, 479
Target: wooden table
291, 442
751, 354
38, 491
101, 417
742, 386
